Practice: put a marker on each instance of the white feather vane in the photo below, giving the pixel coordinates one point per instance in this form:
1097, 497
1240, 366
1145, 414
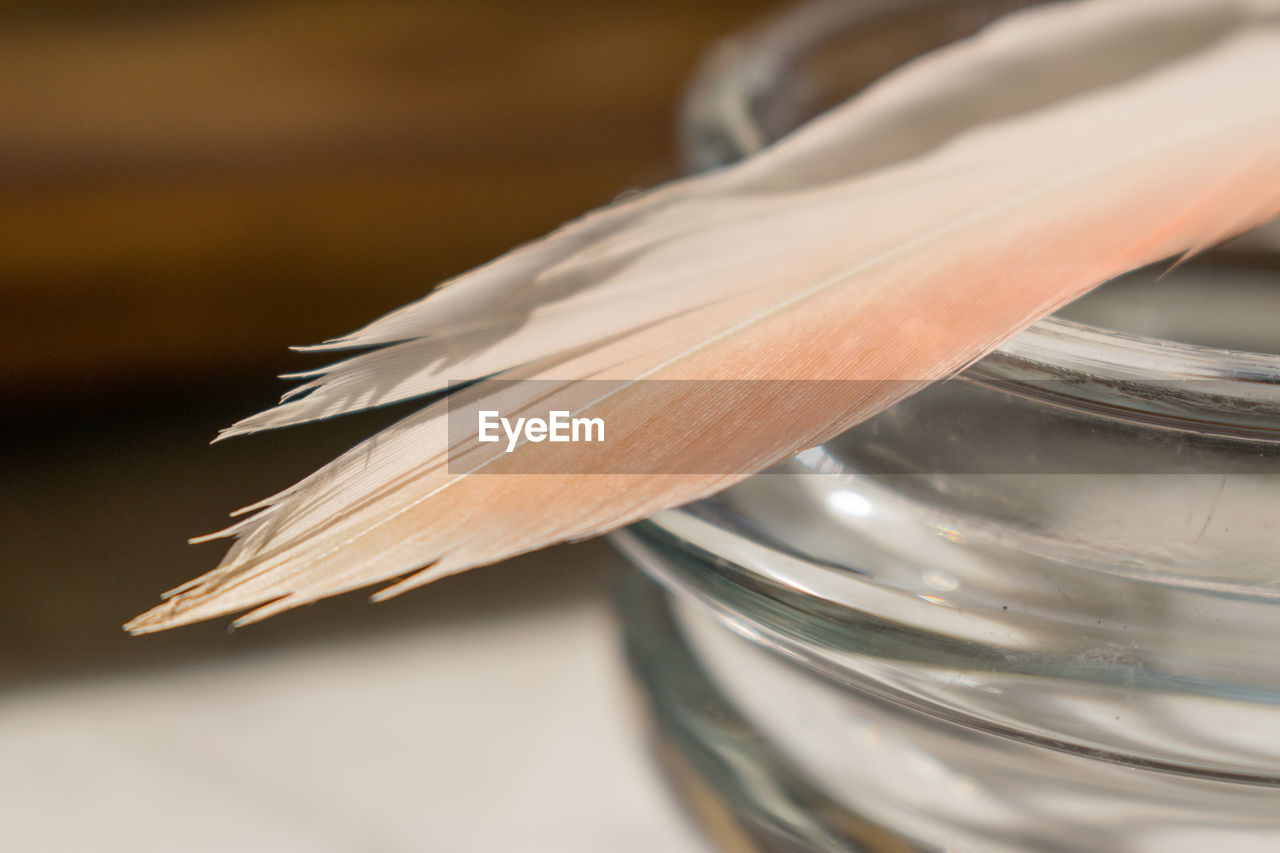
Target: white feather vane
888, 243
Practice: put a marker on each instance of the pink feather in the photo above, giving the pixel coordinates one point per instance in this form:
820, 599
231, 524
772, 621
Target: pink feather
847, 252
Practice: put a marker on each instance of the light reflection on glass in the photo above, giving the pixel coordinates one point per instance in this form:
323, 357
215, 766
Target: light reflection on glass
941, 580
849, 503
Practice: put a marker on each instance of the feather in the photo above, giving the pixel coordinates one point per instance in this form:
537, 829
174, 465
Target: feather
884, 246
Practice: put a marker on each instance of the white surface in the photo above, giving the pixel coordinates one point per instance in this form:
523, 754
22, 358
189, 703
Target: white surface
501, 735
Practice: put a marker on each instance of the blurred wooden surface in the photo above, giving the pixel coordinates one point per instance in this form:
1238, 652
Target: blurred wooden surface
185, 189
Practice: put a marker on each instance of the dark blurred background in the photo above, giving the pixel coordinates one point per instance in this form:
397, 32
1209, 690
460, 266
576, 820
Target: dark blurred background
188, 188
185, 190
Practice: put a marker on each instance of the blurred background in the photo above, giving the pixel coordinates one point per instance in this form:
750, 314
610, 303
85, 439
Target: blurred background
185, 190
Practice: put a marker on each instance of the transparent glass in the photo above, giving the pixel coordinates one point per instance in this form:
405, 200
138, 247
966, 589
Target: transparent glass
1036, 607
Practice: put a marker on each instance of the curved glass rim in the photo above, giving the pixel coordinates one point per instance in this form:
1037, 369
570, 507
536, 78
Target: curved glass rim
720, 124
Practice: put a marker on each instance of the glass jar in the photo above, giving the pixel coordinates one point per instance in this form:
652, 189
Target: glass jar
1036, 607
